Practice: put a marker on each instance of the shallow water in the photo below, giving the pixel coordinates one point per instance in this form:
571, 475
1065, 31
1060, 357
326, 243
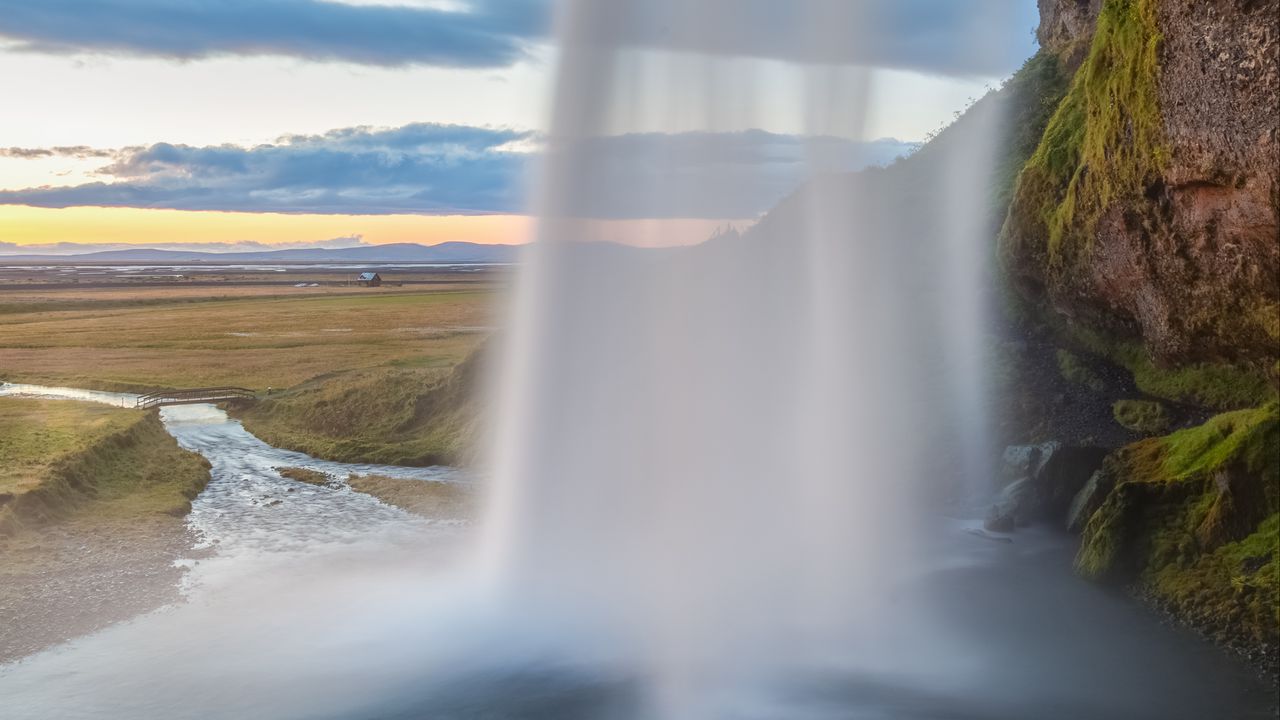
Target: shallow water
248, 507
325, 603
376, 630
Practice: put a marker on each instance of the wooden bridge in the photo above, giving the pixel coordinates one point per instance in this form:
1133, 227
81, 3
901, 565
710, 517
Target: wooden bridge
189, 397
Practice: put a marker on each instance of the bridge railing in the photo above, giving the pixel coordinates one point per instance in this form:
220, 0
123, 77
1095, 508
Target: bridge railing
194, 395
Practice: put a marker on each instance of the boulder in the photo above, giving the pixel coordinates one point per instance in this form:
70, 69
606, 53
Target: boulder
1089, 499
1046, 480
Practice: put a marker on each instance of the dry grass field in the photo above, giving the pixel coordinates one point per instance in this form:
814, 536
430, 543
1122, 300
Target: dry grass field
256, 336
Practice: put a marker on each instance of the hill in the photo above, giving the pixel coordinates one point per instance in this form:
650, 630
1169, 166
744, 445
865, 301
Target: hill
447, 252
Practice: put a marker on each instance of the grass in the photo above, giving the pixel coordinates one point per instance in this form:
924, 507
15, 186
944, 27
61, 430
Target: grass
61, 457
148, 338
36, 435
390, 415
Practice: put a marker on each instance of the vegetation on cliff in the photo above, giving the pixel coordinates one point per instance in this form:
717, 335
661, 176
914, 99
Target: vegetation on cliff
1104, 142
1215, 385
1034, 92
1146, 217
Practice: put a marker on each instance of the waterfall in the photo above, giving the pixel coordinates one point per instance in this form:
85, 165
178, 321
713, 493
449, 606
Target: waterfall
716, 456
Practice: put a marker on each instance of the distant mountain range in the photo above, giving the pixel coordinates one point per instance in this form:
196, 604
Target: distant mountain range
448, 252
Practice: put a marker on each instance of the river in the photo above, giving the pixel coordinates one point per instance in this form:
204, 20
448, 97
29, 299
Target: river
317, 602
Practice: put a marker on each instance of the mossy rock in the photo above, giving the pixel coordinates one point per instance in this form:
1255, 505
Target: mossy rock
1144, 416
1104, 143
1192, 522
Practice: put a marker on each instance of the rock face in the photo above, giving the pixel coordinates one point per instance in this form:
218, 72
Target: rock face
1145, 230
1151, 210
1066, 26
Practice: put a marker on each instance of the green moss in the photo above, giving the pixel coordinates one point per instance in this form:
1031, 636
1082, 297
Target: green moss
1220, 386
1192, 521
1144, 416
1245, 435
1214, 385
1106, 141
1232, 592
1075, 370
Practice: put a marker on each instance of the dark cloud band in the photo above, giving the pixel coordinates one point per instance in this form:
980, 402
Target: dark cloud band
447, 169
491, 34
76, 151
973, 37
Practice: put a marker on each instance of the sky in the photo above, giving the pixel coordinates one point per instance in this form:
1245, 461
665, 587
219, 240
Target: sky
327, 122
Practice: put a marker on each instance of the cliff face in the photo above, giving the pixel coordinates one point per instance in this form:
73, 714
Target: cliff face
1066, 27
1144, 232
1150, 211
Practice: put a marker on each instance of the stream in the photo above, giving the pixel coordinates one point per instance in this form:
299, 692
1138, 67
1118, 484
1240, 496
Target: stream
320, 602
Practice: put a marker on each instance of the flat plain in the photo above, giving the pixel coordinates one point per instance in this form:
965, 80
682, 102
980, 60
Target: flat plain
268, 335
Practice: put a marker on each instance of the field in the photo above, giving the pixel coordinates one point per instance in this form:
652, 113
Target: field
260, 336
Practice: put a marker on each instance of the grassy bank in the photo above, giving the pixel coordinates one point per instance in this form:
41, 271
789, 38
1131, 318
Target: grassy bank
91, 519
59, 457
396, 416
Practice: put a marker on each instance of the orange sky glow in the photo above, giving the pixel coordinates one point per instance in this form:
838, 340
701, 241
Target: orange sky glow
27, 226
24, 225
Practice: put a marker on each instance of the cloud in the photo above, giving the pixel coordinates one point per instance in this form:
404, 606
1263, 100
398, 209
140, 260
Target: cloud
975, 37
76, 151
69, 248
969, 38
708, 175
419, 168
448, 169
486, 34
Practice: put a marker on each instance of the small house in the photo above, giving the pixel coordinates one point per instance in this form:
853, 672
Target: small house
369, 279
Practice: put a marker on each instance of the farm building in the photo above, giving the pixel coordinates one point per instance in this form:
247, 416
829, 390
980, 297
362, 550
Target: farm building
369, 279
